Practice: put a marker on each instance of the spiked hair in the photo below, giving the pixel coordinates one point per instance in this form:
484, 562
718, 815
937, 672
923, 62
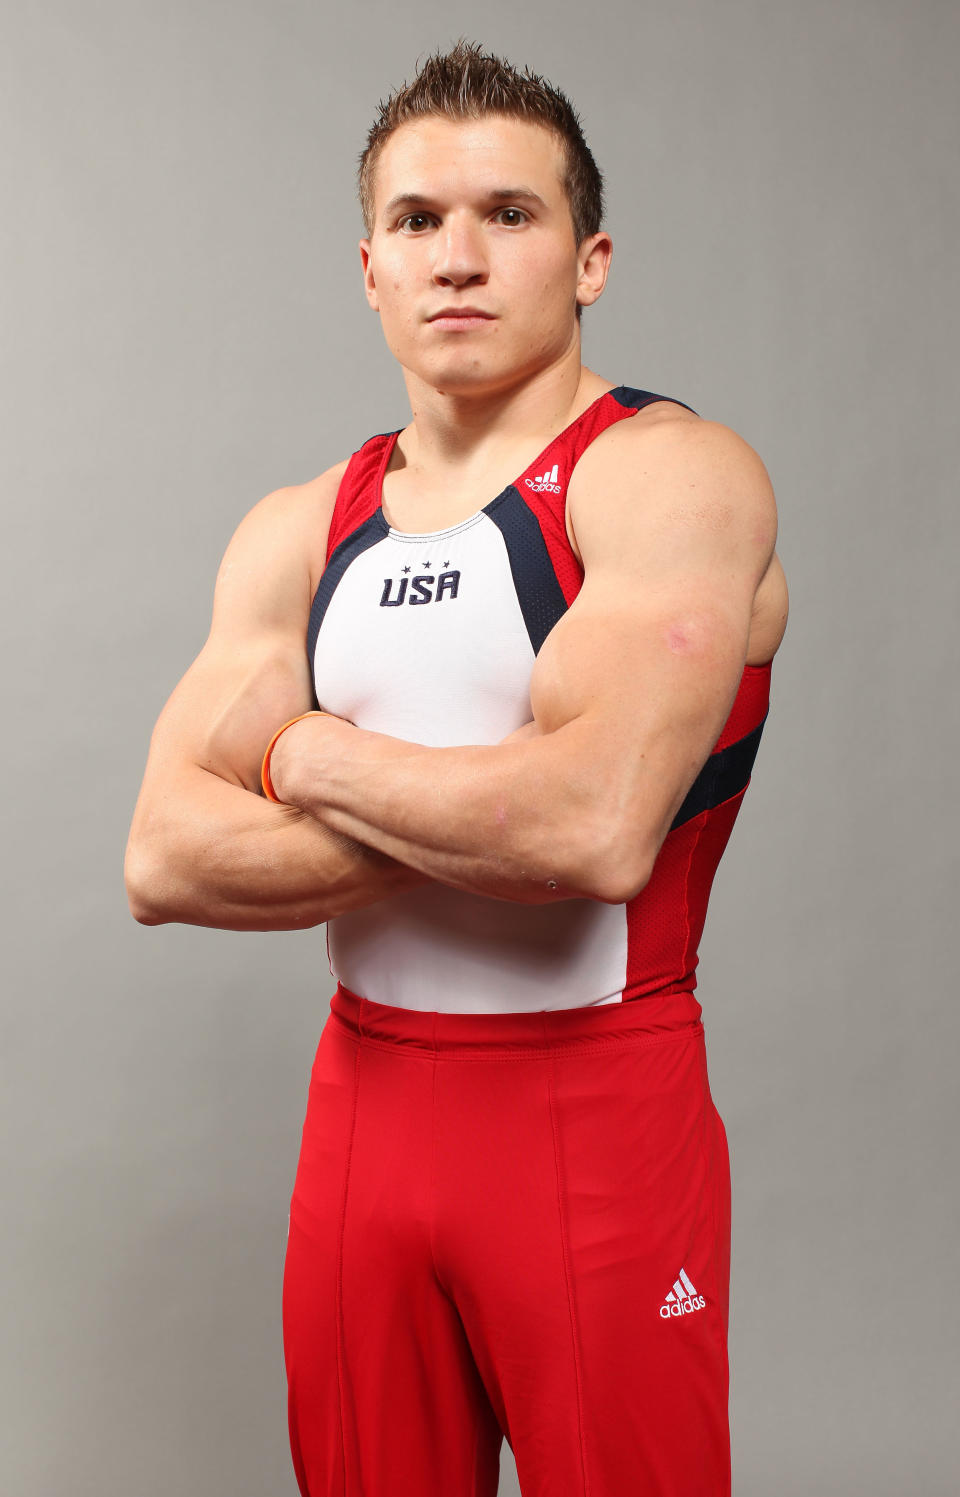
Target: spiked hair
467, 83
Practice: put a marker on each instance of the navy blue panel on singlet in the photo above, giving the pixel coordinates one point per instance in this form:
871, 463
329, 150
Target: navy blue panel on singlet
724, 774
367, 535
538, 592
636, 399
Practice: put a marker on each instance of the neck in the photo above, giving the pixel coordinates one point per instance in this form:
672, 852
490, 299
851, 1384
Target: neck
456, 429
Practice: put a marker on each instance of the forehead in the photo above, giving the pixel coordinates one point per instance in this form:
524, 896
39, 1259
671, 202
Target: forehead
444, 157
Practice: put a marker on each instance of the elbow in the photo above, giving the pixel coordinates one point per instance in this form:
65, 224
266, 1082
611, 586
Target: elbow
618, 868
142, 910
593, 865
144, 884
619, 886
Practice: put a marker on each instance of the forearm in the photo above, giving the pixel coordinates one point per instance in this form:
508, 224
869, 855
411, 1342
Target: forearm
213, 854
513, 821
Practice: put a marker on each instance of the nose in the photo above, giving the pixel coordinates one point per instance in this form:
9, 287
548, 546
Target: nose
461, 255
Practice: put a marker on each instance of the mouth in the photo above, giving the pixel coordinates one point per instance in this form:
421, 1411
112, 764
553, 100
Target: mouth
453, 318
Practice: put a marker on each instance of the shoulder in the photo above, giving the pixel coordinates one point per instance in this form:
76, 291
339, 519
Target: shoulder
670, 464
296, 504
665, 431
321, 492
310, 507
287, 528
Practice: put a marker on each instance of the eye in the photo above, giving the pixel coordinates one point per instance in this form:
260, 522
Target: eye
410, 217
521, 215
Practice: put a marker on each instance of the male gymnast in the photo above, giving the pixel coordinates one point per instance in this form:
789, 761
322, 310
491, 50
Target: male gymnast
484, 698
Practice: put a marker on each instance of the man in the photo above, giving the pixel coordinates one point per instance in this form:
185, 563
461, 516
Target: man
539, 622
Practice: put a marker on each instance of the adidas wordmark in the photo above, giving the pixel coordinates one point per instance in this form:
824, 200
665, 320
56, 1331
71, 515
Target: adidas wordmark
683, 1299
542, 482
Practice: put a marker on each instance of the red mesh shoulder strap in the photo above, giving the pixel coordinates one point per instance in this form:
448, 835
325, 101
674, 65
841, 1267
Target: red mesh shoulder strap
543, 486
359, 492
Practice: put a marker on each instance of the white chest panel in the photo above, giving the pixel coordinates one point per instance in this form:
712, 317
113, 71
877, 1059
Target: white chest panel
423, 638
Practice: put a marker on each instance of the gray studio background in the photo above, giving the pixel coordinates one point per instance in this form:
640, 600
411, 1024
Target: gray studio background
185, 330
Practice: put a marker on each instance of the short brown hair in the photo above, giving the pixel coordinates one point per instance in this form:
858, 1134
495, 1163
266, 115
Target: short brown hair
467, 83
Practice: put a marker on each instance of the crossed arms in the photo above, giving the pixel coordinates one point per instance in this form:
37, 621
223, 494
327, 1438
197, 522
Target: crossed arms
676, 524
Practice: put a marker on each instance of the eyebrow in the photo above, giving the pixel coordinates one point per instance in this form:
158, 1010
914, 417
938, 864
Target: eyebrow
421, 200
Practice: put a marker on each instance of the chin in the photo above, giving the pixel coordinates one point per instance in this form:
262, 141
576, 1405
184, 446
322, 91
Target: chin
468, 372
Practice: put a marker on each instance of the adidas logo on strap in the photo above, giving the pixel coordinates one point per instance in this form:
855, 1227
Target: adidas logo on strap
544, 482
682, 1299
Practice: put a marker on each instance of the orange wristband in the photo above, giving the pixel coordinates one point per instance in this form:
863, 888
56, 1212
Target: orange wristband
265, 779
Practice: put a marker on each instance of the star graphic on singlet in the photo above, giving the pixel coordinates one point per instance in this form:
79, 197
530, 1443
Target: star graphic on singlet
446, 563
406, 569
426, 565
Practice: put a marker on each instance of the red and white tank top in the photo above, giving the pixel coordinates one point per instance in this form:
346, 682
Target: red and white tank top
432, 638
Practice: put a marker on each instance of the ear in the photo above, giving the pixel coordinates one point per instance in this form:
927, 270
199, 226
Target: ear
593, 257
369, 284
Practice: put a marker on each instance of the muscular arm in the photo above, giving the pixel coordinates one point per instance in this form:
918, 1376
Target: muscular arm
511, 821
205, 847
630, 690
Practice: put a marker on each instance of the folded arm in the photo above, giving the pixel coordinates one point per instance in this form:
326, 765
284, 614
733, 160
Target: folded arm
205, 847
676, 524
511, 821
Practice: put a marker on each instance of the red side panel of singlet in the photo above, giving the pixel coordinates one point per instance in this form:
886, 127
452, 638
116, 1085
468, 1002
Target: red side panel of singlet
665, 921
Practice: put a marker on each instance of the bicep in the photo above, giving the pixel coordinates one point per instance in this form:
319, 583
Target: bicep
643, 669
647, 684
221, 714
252, 672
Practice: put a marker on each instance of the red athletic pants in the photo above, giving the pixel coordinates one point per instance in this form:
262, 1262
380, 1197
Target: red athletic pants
510, 1225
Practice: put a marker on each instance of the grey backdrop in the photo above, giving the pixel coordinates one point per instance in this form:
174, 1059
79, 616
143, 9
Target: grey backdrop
185, 330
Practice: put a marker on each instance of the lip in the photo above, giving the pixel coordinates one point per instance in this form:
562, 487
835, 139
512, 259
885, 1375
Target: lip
461, 316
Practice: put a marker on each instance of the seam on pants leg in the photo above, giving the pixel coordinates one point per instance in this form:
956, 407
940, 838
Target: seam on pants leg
713, 1158
566, 1273
475, 1464
431, 1221
709, 1166
432, 1209
343, 1219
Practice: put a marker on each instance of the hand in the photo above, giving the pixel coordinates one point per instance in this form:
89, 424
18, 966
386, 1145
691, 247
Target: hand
302, 746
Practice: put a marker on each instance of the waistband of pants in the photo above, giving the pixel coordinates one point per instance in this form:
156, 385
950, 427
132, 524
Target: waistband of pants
656, 1016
